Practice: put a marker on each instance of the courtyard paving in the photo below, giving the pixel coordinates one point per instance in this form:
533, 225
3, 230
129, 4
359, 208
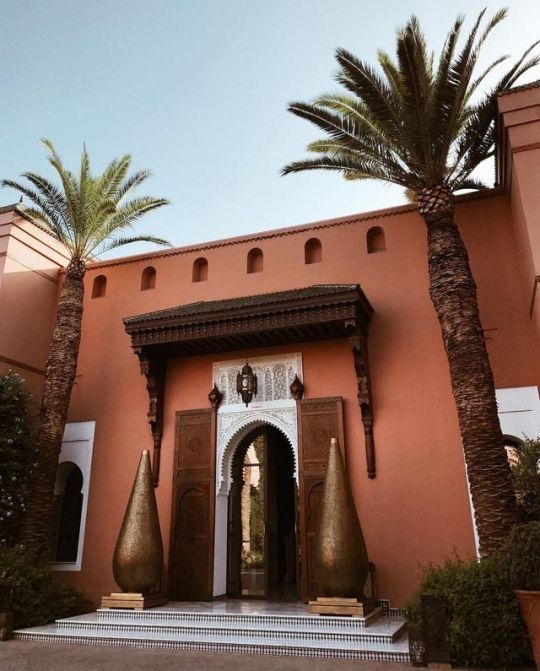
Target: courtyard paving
29, 656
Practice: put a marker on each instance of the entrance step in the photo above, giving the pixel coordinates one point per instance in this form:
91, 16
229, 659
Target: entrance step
177, 627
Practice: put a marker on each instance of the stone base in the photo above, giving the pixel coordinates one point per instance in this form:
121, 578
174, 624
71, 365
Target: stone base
132, 600
330, 605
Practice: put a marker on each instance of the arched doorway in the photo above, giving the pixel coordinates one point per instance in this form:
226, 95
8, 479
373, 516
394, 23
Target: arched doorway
68, 503
262, 555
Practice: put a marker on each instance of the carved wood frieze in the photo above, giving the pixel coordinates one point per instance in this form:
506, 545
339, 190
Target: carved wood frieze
153, 368
318, 312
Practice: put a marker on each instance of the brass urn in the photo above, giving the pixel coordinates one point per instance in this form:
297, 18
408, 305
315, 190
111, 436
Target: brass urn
138, 555
341, 560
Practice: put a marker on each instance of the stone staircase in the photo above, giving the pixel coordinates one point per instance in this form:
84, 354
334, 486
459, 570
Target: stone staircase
286, 629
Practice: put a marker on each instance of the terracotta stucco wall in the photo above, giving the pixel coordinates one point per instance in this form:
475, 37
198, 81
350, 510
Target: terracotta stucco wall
417, 509
30, 260
520, 122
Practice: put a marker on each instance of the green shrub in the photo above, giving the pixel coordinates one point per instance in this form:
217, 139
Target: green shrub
34, 593
485, 627
17, 454
521, 556
526, 479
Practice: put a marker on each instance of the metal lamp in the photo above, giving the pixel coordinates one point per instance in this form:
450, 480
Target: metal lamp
246, 384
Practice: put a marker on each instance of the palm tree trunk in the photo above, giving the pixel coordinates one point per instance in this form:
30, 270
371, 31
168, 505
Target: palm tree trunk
60, 373
453, 293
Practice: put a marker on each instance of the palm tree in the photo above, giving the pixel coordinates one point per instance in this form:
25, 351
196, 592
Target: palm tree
424, 125
89, 215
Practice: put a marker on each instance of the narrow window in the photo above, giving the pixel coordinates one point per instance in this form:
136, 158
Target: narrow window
148, 278
255, 261
99, 286
200, 270
375, 240
313, 251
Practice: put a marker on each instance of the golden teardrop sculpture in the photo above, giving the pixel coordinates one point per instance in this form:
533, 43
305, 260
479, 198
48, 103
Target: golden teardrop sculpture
138, 555
341, 560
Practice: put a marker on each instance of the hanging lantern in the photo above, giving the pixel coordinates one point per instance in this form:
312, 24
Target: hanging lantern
246, 384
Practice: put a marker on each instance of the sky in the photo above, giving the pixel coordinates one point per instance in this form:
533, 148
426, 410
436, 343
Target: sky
197, 90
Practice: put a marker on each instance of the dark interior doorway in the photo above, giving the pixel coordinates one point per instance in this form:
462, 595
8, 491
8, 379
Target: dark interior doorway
262, 556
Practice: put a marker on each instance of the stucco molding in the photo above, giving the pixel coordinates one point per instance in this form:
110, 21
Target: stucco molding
275, 376
233, 427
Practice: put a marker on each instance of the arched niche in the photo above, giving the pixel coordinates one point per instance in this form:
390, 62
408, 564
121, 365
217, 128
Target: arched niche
148, 278
99, 286
313, 251
375, 240
255, 261
200, 270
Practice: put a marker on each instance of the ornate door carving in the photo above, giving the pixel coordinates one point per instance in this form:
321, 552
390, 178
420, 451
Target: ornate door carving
191, 563
319, 419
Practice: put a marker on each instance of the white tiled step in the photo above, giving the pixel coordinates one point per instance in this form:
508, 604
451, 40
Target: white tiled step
385, 631
221, 642
210, 618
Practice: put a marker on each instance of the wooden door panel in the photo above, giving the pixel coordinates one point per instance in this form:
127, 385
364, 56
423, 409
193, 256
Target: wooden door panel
191, 564
319, 420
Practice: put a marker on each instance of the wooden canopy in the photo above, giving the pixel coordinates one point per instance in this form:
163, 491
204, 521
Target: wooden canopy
319, 312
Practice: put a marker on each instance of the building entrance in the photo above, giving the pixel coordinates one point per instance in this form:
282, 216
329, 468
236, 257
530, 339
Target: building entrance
262, 555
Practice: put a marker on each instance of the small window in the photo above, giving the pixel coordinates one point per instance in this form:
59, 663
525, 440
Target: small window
148, 278
375, 240
313, 251
255, 261
200, 270
99, 287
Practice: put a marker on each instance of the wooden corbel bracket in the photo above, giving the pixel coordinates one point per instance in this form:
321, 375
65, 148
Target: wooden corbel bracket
358, 343
154, 368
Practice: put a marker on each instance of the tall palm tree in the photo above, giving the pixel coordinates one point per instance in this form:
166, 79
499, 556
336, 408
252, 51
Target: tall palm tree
422, 123
89, 215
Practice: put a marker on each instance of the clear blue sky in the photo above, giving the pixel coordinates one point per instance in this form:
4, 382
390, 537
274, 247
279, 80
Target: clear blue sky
196, 90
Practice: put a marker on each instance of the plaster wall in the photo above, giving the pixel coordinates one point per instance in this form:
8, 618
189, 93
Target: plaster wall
29, 263
520, 119
417, 509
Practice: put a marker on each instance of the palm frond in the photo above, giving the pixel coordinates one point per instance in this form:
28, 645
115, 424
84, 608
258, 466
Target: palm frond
85, 211
413, 122
127, 240
357, 168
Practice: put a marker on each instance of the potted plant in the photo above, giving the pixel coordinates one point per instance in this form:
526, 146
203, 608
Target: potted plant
521, 555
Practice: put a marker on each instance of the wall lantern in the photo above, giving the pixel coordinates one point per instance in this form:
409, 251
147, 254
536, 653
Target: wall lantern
246, 384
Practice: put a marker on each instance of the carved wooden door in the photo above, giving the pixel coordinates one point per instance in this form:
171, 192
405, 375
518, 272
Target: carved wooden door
319, 419
191, 564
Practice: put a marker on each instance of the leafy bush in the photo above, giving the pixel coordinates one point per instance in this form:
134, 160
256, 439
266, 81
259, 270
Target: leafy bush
17, 455
485, 627
34, 593
521, 556
526, 479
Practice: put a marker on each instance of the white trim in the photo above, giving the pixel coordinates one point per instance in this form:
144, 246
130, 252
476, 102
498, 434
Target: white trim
519, 411
77, 447
236, 421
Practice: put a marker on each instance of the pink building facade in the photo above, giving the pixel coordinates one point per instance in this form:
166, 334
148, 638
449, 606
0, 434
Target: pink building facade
301, 314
